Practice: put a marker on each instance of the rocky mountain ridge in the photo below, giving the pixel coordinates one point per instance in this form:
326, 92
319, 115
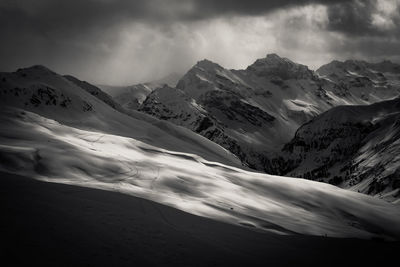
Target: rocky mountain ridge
254, 112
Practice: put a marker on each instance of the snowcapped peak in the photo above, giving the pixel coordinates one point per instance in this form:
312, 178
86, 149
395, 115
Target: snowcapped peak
201, 70
207, 65
274, 59
274, 65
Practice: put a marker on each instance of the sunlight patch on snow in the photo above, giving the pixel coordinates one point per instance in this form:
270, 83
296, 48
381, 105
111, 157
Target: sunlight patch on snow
190, 183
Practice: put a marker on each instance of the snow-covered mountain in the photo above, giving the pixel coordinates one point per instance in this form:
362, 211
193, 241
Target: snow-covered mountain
56, 131
131, 97
42, 148
79, 104
254, 112
355, 147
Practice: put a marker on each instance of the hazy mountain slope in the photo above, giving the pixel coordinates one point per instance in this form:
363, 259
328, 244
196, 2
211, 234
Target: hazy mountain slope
255, 111
53, 96
34, 146
171, 79
355, 147
130, 97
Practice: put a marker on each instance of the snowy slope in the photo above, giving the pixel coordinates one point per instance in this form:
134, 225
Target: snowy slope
34, 146
354, 147
44, 92
255, 111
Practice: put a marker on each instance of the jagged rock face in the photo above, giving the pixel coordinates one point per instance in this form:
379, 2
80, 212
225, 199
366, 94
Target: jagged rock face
168, 103
209, 117
256, 110
232, 108
174, 105
354, 147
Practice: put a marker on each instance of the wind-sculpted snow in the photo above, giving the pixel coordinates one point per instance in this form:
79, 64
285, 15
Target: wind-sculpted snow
34, 146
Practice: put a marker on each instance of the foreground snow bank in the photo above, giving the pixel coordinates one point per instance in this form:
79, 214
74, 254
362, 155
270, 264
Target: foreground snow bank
44, 149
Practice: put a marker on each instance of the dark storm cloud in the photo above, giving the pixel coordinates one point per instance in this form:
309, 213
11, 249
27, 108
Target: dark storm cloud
125, 41
80, 33
69, 17
351, 18
47, 16
361, 18
208, 8
370, 29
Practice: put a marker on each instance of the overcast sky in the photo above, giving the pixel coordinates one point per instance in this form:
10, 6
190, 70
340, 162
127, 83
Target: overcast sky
123, 42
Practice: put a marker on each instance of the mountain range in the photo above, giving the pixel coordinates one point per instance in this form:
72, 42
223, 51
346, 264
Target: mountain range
255, 112
60, 129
